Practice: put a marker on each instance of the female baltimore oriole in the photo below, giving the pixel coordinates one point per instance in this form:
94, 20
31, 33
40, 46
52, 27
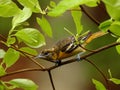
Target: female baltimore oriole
68, 47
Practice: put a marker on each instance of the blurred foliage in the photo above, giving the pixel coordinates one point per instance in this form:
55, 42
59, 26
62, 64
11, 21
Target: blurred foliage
5, 25
53, 17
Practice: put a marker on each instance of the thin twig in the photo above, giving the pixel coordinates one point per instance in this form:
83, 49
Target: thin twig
90, 16
51, 79
25, 53
86, 48
30, 58
13, 46
37, 63
21, 71
101, 49
1, 36
100, 71
86, 13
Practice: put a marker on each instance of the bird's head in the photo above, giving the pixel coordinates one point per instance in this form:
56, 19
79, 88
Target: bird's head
47, 54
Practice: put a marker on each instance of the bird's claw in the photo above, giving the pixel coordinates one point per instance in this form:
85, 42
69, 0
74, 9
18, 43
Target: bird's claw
58, 62
79, 56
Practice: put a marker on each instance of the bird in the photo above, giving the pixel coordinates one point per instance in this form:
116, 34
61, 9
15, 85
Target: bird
68, 47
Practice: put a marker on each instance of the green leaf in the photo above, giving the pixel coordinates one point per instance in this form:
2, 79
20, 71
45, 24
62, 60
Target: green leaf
115, 28
104, 26
113, 8
98, 85
92, 3
77, 19
2, 53
64, 5
11, 57
52, 4
45, 25
25, 84
32, 4
29, 50
31, 37
2, 71
118, 46
8, 8
115, 80
2, 87
10, 40
21, 17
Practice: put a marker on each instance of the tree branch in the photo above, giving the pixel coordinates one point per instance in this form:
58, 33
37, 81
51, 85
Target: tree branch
21, 71
90, 16
91, 53
100, 71
63, 63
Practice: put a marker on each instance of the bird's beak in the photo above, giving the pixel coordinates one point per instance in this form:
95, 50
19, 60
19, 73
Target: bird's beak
40, 56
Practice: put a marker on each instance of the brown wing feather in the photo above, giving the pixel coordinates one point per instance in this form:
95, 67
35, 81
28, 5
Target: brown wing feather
63, 45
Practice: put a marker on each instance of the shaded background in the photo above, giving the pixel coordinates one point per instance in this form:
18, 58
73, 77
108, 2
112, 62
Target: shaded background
77, 75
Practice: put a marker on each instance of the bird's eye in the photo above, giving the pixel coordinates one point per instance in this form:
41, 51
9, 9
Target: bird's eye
45, 53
